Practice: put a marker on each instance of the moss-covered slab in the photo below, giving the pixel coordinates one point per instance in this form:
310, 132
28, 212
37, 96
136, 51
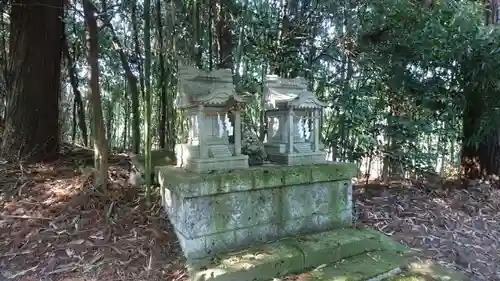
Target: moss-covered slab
331, 246
260, 263
190, 184
341, 255
361, 267
392, 262
292, 255
385, 265
408, 277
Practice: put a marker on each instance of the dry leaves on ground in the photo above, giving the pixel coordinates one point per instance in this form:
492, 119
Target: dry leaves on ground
55, 225
455, 227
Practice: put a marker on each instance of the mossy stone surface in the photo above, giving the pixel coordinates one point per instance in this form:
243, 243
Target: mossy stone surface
292, 255
259, 263
190, 184
227, 208
357, 268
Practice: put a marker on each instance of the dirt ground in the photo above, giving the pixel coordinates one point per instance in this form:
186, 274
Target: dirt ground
457, 228
54, 225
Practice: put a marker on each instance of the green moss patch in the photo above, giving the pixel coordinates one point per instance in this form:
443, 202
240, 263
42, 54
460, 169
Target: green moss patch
190, 184
352, 254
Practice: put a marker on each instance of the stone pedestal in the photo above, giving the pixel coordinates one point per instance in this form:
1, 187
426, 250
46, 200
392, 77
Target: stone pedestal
188, 158
218, 212
277, 153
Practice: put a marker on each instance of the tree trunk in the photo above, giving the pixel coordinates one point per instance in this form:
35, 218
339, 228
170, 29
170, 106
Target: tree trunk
162, 79
126, 126
172, 81
479, 158
491, 12
32, 117
132, 82
225, 37
147, 100
196, 21
99, 132
137, 46
78, 96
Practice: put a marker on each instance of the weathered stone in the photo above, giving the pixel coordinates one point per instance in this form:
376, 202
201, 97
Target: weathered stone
296, 226
192, 247
361, 267
260, 263
256, 235
335, 245
268, 177
227, 209
298, 175
293, 117
252, 146
387, 265
293, 255
220, 242
317, 198
205, 99
190, 184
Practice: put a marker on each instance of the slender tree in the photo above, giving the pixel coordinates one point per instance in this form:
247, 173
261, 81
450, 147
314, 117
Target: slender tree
147, 82
99, 131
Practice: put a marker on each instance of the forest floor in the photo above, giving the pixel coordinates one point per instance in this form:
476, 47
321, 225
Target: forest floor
54, 225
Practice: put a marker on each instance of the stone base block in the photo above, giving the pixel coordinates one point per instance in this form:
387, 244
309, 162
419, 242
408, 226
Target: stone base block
216, 164
220, 211
298, 159
210, 245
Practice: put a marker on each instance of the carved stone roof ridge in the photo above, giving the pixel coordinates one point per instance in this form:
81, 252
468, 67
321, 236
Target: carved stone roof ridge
199, 87
293, 92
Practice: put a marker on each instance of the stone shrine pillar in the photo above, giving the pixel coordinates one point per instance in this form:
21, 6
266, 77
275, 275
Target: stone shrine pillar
290, 131
316, 129
237, 133
200, 119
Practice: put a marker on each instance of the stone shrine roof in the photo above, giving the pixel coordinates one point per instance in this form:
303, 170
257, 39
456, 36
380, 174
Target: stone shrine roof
199, 87
291, 92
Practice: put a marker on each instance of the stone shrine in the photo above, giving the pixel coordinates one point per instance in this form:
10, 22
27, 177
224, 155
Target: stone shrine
293, 116
241, 223
207, 99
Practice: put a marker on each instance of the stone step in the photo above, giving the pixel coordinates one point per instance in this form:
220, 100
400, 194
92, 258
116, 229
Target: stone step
292, 255
382, 265
376, 265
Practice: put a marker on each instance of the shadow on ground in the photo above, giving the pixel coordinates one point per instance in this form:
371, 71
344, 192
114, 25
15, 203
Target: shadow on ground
54, 225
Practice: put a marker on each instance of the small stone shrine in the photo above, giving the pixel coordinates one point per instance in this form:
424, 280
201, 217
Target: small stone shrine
293, 117
243, 223
206, 99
